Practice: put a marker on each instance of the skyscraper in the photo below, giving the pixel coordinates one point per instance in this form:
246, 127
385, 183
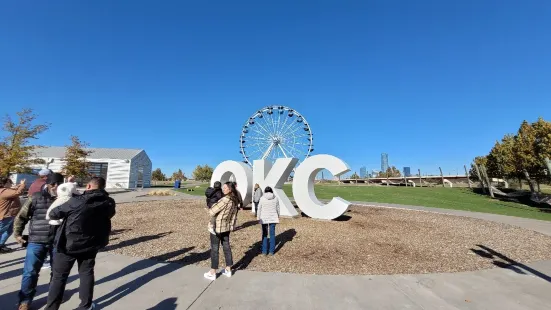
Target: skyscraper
363, 172
384, 162
407, 171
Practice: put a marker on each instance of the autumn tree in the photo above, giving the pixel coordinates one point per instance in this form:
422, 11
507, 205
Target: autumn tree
479, 160
178, 175
75, 158
16, 153
158, 175
391, 172
203, 173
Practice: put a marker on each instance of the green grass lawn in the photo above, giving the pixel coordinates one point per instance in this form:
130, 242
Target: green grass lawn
436, 197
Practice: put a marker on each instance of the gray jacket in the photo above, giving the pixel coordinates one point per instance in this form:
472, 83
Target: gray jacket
257, 195
268, 209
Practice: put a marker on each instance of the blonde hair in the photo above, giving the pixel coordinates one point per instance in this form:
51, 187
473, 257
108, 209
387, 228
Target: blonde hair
256, 186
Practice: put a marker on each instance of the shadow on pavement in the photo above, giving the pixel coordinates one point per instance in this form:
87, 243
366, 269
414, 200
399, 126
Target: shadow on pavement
505, 262
12, 298
167, 304
130, 287
134, 241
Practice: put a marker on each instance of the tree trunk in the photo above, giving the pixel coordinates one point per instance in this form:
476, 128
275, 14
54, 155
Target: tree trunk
519, 182
485, 176
530, 182
480, 178
467, 174
442, 177
539, 188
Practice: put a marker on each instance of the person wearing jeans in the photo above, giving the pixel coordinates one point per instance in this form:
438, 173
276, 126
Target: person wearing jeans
256, 197
215, 240
224, 213
268, 216
84, 231
9, 207
41, 236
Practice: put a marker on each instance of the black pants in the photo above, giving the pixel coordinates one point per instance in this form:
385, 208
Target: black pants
61, 269
215, 246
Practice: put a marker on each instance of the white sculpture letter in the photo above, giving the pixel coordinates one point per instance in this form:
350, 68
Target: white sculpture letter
243, 177
275, 176
303, 187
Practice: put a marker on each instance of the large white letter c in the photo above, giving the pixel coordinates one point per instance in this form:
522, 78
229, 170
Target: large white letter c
303, 187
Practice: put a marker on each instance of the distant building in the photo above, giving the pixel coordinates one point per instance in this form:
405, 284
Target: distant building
407, 171
384, 162
121, 168
363, 172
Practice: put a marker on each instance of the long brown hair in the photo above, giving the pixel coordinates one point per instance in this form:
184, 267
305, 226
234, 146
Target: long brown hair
233, 194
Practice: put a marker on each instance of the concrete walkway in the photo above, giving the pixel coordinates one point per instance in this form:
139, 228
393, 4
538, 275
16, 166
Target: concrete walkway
131, 283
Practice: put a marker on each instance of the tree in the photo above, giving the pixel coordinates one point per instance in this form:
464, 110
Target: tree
158, 175
75, 158
202, 173
178, 175
542, 143
16, 155
355, 176
479, 160
391, 172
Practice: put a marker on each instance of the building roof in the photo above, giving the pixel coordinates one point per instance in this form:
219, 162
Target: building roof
59, 152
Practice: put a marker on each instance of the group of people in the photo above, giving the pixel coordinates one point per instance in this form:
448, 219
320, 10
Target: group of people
63, 224
223, 203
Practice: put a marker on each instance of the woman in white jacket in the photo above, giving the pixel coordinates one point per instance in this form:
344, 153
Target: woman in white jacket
268, 215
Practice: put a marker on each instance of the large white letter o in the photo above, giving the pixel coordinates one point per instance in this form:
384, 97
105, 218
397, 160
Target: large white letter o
243, 177
303, 187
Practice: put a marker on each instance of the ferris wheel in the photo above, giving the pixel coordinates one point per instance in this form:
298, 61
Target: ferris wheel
275, 132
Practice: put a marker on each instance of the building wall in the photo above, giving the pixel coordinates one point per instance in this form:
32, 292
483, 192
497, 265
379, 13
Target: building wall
118, 170
140, 160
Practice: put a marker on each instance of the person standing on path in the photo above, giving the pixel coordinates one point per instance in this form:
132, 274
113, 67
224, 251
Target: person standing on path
84, 231
268, 215
39, 183
9, 207
256, 197
225, 211
41, 236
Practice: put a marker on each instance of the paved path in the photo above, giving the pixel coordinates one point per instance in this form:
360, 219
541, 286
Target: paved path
131, 283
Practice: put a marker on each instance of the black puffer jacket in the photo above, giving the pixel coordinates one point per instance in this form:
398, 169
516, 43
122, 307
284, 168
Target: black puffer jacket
86, 222
40, 230
213, 195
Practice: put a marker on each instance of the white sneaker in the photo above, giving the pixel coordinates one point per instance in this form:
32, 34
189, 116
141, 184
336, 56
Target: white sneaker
227, 273
46, 265
92, 307
210, 276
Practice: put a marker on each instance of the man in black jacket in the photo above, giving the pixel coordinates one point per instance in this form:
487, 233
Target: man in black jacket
85, 230
41, 236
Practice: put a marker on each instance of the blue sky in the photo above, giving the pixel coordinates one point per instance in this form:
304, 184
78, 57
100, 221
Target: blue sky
431, 83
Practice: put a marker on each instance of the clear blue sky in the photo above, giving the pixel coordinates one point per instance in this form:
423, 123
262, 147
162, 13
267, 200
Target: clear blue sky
428, 82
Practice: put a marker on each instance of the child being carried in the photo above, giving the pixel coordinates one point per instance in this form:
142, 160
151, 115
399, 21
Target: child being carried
64, 192
213, 194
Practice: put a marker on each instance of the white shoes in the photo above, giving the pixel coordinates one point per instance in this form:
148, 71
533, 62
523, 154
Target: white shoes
227, 273
92, 307
210, 276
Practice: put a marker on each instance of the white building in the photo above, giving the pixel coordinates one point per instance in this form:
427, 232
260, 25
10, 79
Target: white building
121, 168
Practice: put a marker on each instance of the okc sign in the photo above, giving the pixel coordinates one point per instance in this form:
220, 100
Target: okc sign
274, 175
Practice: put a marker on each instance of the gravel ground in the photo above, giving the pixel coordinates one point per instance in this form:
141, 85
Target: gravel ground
367, 240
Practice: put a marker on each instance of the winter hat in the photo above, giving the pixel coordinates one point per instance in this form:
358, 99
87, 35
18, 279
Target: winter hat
66, 190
